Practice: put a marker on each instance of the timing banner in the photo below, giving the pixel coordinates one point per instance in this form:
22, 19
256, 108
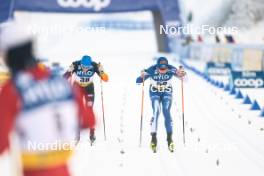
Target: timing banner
213, 68
168, 11
6, 9
84, 6
248, 79
169, 8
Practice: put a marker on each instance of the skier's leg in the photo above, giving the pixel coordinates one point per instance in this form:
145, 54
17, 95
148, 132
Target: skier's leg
92, 135
90, 96
154, 138
155, 102
90, 101
153, 143
166, 106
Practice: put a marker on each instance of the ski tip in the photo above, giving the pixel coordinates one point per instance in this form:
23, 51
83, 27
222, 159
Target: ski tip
92, 143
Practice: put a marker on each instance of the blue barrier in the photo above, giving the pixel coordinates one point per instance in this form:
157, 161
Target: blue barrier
227, 87
233, 91
228, 59
239, 95
247, 79
262, 113
247, 100
221, 85
213, 68
217, 83
255, 106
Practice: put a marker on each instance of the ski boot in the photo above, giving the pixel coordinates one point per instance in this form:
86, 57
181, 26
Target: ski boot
170, 142
92, 137
153, 143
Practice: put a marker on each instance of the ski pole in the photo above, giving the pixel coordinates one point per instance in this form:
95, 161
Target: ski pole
102, 101
183, 121
142, 111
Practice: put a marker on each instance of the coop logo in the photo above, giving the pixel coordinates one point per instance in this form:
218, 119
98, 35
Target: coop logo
218, 71
97, 5
249, 82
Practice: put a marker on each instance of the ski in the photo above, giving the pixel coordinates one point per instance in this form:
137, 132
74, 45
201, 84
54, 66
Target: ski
154, 148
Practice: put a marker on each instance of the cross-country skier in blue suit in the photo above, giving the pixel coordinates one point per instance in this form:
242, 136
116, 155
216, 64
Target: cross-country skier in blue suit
160, 92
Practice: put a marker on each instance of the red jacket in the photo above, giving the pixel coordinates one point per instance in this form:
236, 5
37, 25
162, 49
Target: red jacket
10, 105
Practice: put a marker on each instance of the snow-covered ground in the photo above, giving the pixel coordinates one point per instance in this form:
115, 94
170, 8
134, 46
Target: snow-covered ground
218, 141
222, 136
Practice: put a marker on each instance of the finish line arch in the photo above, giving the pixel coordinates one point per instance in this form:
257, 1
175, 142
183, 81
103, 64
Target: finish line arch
165, 12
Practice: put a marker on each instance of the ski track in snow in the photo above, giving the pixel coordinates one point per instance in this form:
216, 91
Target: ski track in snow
222, 136
225, 125
217, 141
214, 124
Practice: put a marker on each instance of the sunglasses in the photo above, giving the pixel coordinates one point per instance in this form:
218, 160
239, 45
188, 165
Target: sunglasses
163, 62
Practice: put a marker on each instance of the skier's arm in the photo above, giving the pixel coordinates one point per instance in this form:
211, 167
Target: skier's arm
67, 75
179, 73
172, 70
69, 72
145, 74
86, 114
100, 72
9, 102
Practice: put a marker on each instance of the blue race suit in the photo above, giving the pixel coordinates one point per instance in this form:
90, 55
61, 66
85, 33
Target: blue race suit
160, 93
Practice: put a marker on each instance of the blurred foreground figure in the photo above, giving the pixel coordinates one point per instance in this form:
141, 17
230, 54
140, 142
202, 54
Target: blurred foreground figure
42, 109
